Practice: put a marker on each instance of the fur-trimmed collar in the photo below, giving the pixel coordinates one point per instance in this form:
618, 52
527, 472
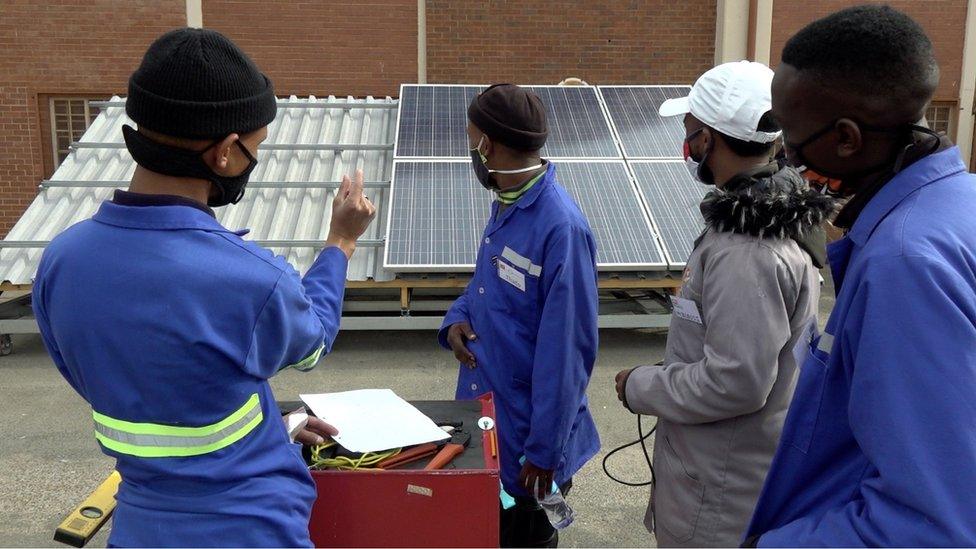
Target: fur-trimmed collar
771, 204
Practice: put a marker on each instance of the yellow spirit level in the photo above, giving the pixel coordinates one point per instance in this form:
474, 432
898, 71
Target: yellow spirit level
84, 522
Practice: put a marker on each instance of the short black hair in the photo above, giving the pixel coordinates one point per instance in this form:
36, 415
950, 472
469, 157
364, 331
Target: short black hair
749, 149
873, 51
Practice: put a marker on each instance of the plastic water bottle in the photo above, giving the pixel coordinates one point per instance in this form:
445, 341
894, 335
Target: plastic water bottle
559, 512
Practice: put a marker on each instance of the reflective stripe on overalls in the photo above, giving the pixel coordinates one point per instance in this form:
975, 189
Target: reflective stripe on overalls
157, 441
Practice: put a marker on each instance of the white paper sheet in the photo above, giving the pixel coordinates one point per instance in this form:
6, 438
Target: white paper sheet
372, 420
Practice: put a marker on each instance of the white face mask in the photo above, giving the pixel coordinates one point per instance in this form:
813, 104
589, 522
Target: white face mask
693, 168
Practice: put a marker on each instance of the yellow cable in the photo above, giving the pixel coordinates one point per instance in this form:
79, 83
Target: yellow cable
344, 463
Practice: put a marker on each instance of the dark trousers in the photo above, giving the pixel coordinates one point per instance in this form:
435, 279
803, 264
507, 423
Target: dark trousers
526, 524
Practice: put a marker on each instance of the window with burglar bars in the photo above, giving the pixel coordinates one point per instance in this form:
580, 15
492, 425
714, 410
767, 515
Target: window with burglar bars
70, 117
939, 116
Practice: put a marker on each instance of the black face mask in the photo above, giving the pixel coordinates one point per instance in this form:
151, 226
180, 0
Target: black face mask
177, 162
796, 157
481, 171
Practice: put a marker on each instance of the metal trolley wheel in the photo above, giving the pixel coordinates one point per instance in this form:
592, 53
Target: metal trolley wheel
6, 346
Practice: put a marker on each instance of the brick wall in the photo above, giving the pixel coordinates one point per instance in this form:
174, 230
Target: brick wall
82, 48
944, 22
600, 41
340, 48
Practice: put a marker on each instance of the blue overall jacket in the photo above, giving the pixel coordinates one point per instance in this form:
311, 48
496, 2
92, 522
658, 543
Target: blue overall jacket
170, 325
879, 444
533, 304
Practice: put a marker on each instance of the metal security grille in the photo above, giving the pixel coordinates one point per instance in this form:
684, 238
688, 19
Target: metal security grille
70, 117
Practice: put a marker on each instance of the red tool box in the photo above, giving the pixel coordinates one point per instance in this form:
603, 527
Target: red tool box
453, 507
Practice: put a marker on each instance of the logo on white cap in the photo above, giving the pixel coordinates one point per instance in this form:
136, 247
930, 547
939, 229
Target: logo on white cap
731, 98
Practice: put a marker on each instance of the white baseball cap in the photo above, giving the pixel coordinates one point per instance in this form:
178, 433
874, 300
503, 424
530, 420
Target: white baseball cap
731, 98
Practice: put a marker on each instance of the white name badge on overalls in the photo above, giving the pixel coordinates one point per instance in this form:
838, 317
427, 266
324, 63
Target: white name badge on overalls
508, 273
686, 309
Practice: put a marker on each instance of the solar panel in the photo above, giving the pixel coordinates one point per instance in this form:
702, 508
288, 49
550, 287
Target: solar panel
438, 211
433, 118
432, 121
623, 233
643, 133
577, 126
673, 198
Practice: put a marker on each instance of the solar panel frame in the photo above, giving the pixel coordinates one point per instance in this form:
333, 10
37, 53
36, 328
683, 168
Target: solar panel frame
612, 141
647, 223
673, 254
629, 153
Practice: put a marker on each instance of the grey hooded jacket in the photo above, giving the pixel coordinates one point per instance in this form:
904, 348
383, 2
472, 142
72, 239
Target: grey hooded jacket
728, 375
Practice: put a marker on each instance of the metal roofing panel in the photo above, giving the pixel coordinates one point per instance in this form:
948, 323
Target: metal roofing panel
271, 212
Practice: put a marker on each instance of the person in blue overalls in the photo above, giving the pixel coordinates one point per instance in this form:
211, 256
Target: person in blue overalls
879, 444
525, 328
169, 325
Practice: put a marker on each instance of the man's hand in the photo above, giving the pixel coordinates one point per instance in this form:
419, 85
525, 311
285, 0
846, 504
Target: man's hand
535, 478
351, 214
315, 432
457, 336
621, 381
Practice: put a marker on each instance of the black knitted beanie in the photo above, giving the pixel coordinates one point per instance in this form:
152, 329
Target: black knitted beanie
196, 83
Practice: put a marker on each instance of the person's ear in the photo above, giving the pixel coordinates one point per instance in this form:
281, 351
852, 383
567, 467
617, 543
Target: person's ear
849, 138
706, 139
486, 146
218, 157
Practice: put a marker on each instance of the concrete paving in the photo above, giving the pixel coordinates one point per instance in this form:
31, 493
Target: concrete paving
49, 460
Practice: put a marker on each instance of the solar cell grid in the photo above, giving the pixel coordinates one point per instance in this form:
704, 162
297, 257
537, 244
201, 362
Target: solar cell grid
608, 200
673, 198
432, 122
643, 133
438, 211
577, 125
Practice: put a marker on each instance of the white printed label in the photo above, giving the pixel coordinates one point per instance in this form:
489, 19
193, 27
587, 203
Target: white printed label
508, 273
686, 309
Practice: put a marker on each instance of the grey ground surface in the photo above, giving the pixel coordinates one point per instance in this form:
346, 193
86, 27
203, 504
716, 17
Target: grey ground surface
49, 461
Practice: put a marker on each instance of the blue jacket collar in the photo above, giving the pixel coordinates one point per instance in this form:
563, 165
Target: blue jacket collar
159, 218
921, 173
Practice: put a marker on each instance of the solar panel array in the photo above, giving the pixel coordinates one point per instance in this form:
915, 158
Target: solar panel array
643, 132
671, 195
673, 198
433, 118
441, 211
644, 213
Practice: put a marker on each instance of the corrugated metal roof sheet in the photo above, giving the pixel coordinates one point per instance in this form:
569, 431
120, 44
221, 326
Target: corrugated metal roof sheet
272, 212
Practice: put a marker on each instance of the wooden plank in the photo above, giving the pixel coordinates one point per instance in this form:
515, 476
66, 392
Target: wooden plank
457, 283
452, 283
